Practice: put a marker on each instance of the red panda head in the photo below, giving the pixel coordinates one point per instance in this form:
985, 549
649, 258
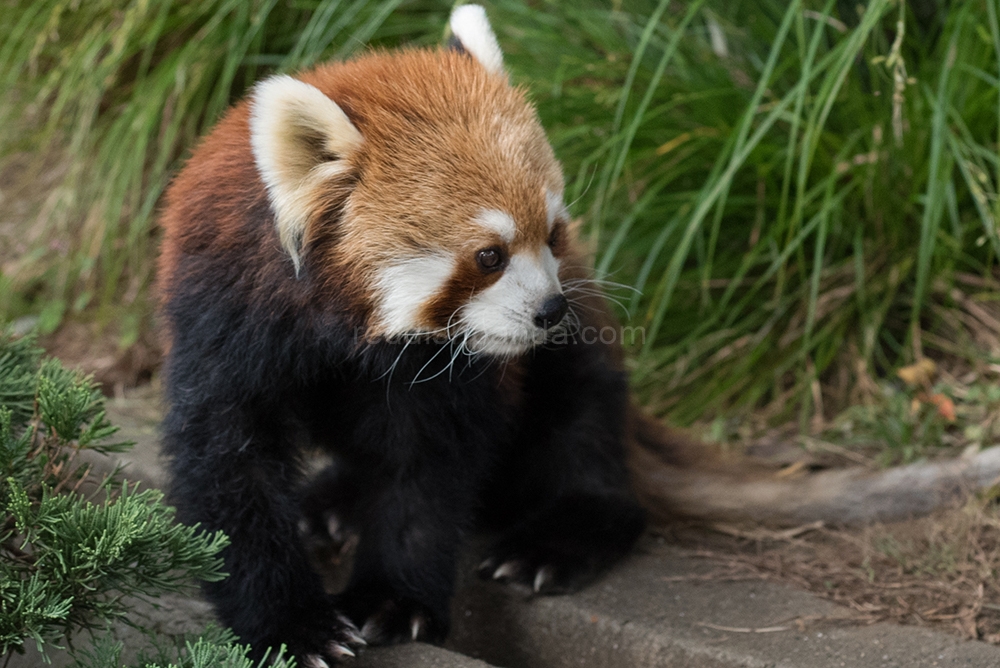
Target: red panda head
421, 184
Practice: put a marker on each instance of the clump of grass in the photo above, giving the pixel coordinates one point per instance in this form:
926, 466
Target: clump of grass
802, 200
793, 191
114, 92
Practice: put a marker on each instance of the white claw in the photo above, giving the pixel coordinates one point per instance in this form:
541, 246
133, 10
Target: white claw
332, 526
351, 631
370, 630
506, 570
314, 661
416, 626
338, 650
542, 577
354, 637
303, 525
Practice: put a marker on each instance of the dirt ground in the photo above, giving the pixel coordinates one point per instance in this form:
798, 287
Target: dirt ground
938, 571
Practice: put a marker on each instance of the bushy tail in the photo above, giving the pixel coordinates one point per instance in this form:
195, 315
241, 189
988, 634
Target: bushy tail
674, 479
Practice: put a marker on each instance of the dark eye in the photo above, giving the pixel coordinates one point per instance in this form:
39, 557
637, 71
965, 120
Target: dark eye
556, 235
490, 259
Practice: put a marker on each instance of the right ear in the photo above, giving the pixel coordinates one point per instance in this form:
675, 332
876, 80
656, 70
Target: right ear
302, 141
471, 33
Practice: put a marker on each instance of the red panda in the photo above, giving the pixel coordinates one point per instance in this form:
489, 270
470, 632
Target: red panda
374, 257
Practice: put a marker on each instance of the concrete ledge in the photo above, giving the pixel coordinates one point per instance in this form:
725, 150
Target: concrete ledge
414, 655
639, 615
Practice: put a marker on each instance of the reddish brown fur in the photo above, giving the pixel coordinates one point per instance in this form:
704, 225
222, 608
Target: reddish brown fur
227, 151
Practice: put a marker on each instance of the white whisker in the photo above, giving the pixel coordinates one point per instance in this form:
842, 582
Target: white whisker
589, 183
416, 378
586, 292
395, 362
582, 304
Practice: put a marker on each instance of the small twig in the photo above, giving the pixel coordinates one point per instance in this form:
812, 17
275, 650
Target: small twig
818, 444
61, 459
14, 550
745, 629
718, 576
767, 534
82, 474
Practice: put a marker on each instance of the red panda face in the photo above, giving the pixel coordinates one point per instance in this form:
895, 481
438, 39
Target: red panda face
421, 184
524, 301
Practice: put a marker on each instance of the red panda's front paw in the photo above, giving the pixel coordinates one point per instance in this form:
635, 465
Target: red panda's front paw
568, 545
328, 644
390, 620
540, 570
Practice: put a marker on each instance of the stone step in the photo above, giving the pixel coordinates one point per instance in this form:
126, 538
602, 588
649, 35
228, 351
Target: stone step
413, 655
651, 612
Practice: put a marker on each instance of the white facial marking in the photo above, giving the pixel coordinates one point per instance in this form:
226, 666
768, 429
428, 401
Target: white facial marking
500, 319
499, 222
405, 287
554, 208
471, 27
550, 265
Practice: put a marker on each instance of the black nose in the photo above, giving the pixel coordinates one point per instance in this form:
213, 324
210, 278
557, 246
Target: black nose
552, 312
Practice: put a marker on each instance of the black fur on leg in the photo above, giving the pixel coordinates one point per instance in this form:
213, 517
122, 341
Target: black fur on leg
408, 479
565, 546
563, 493
229, 476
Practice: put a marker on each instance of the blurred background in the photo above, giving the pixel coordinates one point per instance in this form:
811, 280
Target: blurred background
792, 201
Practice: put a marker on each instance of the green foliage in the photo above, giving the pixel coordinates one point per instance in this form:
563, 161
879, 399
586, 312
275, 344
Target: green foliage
43, 409
85, 555
19, 359
67, 563
902, 424
120, 88
899, 428
793, 192
215, 648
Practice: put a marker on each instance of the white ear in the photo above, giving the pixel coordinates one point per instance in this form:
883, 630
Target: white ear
471, 28
301, 141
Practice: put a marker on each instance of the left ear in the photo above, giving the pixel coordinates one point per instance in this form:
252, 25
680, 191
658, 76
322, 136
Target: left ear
471, 33
303, 144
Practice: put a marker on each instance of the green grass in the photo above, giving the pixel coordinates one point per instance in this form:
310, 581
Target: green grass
117, 90
795, 211
799, 198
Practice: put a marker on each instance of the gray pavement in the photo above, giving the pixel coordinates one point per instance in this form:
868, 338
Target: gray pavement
646, 612
641, 614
